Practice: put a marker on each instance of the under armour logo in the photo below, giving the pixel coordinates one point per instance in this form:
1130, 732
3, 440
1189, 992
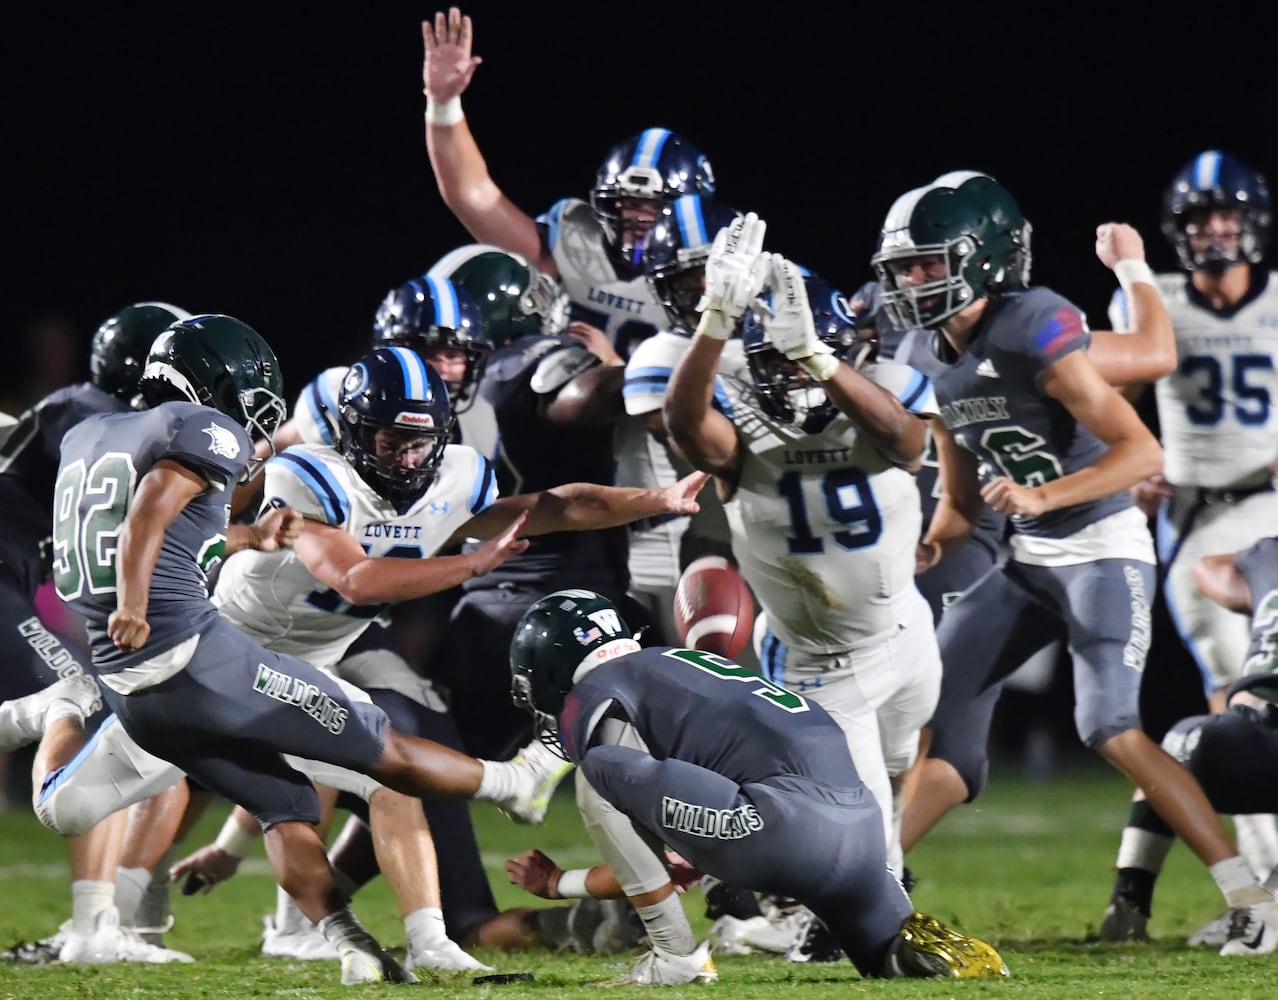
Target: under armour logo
439, 506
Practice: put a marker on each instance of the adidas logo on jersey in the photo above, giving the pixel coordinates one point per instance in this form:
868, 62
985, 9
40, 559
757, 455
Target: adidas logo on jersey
987, 369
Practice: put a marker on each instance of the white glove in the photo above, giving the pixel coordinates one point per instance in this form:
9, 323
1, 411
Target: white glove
788, 322
735, 271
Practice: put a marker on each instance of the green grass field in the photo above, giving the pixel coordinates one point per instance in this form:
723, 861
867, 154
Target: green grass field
1027, 868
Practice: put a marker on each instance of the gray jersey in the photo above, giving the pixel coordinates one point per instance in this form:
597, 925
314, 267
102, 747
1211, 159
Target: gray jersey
992, 401
28, 467
103, 459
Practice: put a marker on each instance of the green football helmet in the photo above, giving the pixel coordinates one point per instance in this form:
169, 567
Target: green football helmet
221, 362
516, 299
557, 637
122, 343
976, 228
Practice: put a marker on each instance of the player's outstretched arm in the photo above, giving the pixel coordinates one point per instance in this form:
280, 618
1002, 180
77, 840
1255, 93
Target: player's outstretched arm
161, 496
536, 873
337, 560
460, 170
1146, 351
277, 529
584, 507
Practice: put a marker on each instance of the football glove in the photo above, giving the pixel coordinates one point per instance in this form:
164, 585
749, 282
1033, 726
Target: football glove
788, 322
735, 272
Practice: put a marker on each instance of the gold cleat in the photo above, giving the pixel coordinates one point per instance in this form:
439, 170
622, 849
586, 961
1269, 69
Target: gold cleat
927, 948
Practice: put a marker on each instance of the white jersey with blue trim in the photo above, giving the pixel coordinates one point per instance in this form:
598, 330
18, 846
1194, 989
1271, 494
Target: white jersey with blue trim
273, 596
1216, 411
315, 415
825, 527
651, 366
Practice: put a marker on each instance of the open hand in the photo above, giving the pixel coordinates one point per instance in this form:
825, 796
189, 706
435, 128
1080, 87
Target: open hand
534, 872
497, 550
448, 64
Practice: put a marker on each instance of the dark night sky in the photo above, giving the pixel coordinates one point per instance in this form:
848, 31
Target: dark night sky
266, 159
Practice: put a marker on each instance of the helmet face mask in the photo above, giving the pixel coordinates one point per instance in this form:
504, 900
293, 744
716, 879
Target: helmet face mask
394, 421
221, 362
559, 638
636, 184
1215, 182
429, 312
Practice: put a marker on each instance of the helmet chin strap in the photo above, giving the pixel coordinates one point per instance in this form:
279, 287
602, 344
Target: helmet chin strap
602, 654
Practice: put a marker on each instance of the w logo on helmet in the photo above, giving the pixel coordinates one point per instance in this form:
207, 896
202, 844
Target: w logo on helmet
608, 620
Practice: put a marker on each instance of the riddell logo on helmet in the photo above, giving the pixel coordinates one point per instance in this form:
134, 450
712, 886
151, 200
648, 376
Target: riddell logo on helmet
407, 419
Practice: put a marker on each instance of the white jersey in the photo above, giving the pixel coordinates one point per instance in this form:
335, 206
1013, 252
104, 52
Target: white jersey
1216, 410
824, 527
315, 415
652, 364
624, 308
273, 596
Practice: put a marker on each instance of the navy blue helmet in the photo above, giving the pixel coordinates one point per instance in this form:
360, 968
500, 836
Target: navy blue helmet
394, 419
785, 391
675, 252
431, 312
1215, 180
655, 166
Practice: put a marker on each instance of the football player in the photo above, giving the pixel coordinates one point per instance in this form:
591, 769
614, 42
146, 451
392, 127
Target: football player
812, 460
594, 249
1216, 491
41, 661
685, 748
1028, 426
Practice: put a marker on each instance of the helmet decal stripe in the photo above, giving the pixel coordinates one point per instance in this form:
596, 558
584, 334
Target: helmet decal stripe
484, 491
445, 297
316, 477
648, 148
692, 224
1207, 170
414, 369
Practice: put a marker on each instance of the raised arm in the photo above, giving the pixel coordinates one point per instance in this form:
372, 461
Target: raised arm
701, 433
1146, 350
460, 171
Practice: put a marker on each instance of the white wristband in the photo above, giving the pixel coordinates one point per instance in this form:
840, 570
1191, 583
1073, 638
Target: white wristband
820, 366
716, 325
572, 884
1133, 272
233, 839
447, 113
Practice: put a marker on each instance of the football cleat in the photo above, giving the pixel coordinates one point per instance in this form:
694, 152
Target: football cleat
369, 962
22, 719
38, 952
661, 968
925, 948
110, 943
813, 942
540, 773
1253, 930
1124, 921
1214, 933
444, 956
302, 944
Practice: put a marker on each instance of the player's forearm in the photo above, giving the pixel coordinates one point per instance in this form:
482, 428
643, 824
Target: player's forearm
590, 507
137, 551
950, 528
1128, 461
389, 581
896, 432
1145, 354
688, 409
600, 882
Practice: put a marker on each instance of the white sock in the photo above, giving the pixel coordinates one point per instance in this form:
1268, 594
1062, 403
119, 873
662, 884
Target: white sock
1235, 879
1142, 849
1257, 841
89, 900
289, 919
499, 783
130, 885
668, 926
425, 929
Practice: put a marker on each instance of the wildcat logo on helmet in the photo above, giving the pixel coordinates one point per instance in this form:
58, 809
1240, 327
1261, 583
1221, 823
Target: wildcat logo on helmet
410, 419
221, 441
